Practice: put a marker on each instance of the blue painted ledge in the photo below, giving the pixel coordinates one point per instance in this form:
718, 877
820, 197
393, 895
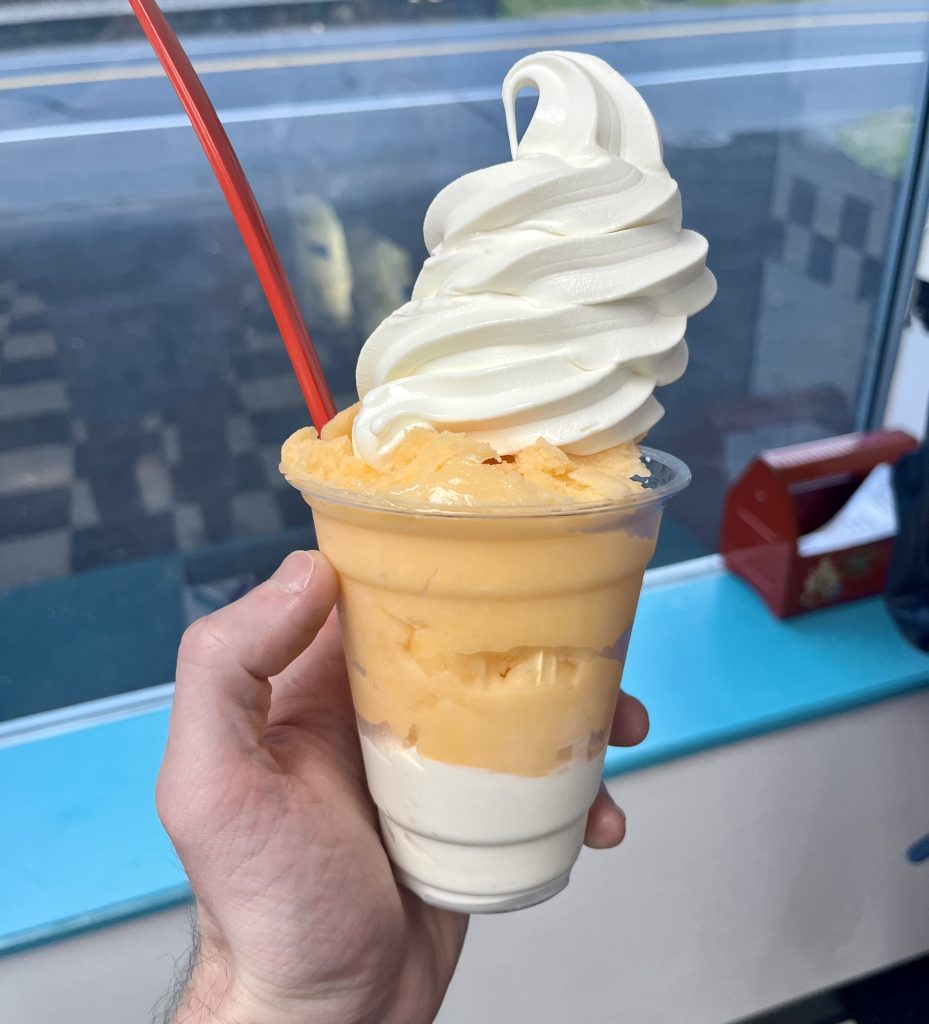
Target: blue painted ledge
82, 845
713, 666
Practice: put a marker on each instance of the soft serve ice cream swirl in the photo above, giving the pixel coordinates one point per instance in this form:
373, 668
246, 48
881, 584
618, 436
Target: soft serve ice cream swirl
558, 287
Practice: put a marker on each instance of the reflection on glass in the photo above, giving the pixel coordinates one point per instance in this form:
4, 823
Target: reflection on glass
144, 393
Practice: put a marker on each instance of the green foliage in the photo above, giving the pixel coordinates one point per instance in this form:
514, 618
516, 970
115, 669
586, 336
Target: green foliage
880, 142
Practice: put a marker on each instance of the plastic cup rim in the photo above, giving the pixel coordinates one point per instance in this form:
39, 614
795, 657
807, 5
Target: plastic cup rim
646, 498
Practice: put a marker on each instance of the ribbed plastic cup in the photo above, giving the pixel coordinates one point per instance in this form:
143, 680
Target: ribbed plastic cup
485, 649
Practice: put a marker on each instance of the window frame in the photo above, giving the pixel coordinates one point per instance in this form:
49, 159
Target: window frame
903, 250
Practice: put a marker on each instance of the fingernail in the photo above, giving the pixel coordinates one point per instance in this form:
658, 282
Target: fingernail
294, 573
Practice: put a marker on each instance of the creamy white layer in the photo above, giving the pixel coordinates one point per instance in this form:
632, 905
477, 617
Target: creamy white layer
475, 833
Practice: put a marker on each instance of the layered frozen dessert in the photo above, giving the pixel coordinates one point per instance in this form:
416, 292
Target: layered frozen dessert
486, 504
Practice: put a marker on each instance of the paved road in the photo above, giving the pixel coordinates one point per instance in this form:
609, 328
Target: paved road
363, 108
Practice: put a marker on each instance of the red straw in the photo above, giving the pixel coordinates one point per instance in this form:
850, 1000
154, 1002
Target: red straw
244, 208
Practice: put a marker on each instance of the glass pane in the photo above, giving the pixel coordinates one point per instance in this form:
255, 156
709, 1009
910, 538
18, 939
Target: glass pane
144, 392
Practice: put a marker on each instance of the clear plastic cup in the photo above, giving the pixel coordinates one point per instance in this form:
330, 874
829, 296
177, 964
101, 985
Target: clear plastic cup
485, 649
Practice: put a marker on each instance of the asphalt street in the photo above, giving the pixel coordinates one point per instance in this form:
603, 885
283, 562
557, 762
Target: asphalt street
364, 109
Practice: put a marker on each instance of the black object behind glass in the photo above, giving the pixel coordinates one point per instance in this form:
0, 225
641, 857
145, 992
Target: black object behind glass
907, 592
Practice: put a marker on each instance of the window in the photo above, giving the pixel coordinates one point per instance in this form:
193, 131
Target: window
144, 393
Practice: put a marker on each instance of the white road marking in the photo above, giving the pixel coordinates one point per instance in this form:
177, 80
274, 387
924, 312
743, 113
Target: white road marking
449, 97
550, 39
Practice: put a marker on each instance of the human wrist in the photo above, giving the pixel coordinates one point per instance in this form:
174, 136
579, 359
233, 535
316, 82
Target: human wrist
216, 993
207, 993
214, 997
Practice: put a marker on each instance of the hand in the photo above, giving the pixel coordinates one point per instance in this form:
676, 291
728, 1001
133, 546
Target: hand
263, 793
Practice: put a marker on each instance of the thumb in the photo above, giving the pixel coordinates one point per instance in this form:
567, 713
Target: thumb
222, 694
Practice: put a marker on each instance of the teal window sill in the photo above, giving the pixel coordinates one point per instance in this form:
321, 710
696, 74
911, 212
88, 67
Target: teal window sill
83, 847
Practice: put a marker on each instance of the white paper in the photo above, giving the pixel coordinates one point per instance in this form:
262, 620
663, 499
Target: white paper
870, 514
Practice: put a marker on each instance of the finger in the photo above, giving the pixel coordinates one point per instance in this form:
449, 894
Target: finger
606, 823
630, 722
222, 696
315, 680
